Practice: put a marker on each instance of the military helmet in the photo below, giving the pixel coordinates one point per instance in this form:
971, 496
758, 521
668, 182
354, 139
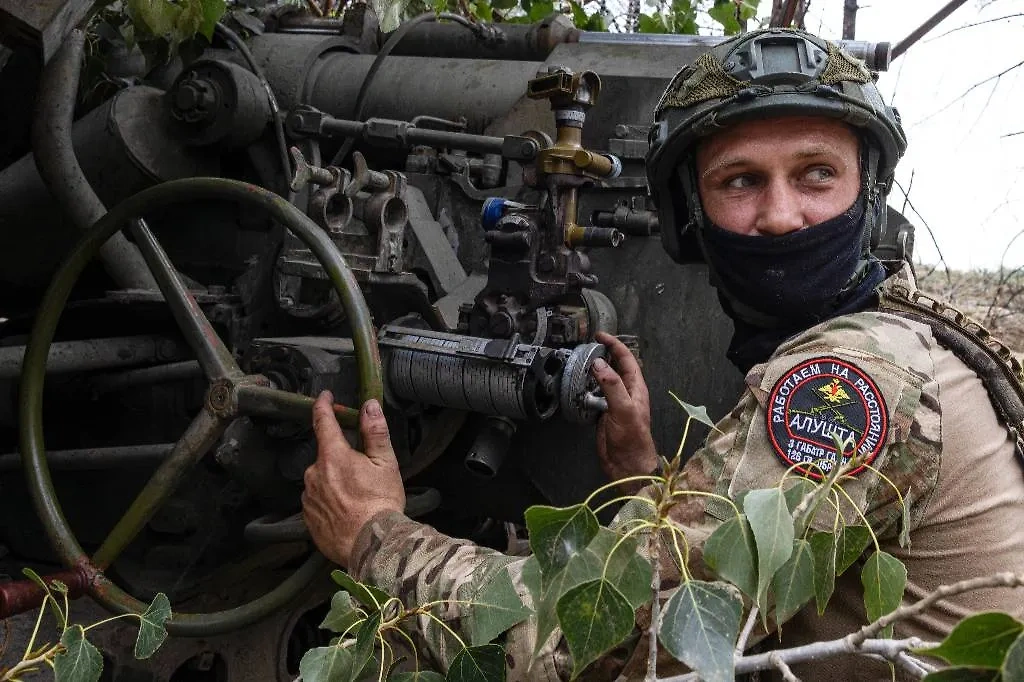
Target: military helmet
764, 74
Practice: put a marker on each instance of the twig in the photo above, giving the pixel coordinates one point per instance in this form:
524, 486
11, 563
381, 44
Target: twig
25, 665
787, 673
972, 25
969, 90
652, 633
949, 279
913, 666
741, 643
997, 580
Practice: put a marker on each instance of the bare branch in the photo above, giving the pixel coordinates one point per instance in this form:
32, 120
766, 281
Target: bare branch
850, 19
652, 633
787, 673
741, 643
924, 222
971, 89
918, 33
973, 24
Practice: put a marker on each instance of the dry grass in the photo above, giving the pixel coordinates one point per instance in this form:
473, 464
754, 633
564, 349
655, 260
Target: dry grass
995, 299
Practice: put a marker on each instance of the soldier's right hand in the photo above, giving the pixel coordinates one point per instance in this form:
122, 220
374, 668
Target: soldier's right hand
625, 445
345, 488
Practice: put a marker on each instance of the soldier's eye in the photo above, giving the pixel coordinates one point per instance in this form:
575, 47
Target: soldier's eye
820, 174
740, 181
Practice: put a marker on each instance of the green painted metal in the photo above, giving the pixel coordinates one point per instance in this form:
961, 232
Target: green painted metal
32, 445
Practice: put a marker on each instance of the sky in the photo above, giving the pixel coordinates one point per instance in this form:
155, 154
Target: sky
964, 167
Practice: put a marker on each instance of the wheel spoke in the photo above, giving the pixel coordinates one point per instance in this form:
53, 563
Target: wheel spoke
201, 434
213, 355
264, 401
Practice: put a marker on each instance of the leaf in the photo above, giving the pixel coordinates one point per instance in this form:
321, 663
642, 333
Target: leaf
595, 23
699, 627
698, 412
963, 674
628, 570
579, 17
540, 9
773, 534
595, 617
342, 614
477, 664
212, 10
326, 664
556, 535
362, 652
58, 615
730, 552
725, 14
850, 545
152, 632
884, 577
157, 17
495, 608
367, 595
979, 641
1013, 664
417, 676
793, 584
651, 24
80, 661
823, 549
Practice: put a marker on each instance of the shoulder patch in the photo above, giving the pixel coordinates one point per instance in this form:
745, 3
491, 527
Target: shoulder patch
818, 401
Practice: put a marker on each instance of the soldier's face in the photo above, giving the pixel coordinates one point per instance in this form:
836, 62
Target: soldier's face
775, 176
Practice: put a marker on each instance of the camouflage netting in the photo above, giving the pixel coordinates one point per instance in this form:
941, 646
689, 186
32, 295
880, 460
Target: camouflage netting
841, 67
706, 79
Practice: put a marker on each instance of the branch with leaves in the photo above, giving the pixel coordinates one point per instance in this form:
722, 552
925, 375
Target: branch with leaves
73, 658
771, 559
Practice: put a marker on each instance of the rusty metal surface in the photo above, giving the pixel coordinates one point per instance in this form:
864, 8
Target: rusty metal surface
20, 596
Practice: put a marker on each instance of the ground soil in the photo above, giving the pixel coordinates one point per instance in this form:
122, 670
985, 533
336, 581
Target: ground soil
993, 299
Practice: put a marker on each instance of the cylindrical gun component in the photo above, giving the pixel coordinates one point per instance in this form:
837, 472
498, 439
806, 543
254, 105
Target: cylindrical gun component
94, 354
595, 236
579, 400
218, 102
489, 448
489, 376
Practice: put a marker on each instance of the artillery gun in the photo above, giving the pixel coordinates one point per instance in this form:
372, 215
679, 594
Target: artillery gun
441, 217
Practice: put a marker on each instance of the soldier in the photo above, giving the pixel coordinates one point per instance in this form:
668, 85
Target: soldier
771, 157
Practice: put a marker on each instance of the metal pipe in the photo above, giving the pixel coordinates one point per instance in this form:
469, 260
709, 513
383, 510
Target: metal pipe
931, 23
93, 354
59, 168
87, 459
158, 374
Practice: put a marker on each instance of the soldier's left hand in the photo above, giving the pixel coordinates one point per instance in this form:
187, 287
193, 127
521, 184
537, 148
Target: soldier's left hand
345, 488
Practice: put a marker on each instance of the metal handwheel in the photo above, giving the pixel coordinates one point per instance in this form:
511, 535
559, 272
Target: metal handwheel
231, 392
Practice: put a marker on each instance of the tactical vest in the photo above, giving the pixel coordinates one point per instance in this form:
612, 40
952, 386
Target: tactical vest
1000, 372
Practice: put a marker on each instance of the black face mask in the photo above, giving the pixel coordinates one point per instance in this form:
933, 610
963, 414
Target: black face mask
776, 286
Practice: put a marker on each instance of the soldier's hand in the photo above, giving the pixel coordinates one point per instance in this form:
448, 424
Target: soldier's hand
624, 442
345, 488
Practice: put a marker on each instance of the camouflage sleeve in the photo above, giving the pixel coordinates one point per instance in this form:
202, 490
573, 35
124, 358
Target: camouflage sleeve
863, 378
420, 565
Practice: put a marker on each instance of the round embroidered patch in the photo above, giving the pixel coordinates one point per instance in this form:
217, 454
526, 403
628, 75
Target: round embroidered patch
822, 400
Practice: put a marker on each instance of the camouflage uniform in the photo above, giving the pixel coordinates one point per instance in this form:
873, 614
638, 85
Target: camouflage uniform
943, 448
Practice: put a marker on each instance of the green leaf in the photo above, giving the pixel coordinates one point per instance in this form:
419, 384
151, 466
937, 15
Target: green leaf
58, 615
793, 584
417, 676
157, 17
648, 23
367, 595
730, 552
698, 412
628, 570
342, 614
556, 535
477, 664
596, 23
579, 17
367, 638
699, 627
152, 632
725, 14
884, 577
326, 664
540, 9
495, 608
823, 549
1013, 664
212, 11
963, 674
772, 526
80, 661
850, 545
979, 641
595, 617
